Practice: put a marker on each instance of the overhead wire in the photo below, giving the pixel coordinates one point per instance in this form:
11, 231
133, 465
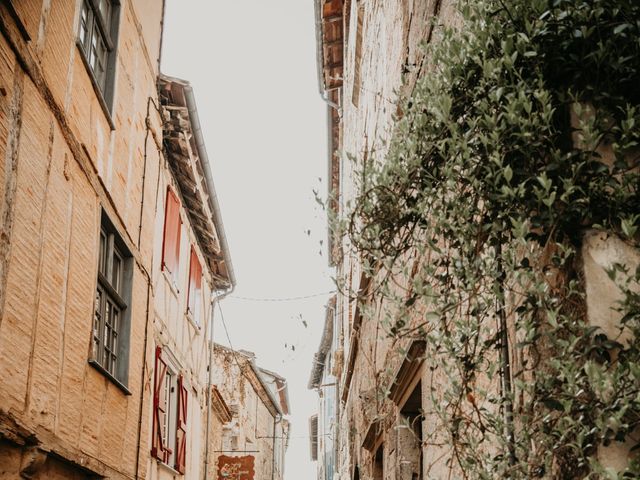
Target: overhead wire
282, 299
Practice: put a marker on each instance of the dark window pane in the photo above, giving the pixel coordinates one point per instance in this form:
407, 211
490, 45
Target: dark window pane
85, 25
104, 7
93, 38
102, 266
116, 271
107, 326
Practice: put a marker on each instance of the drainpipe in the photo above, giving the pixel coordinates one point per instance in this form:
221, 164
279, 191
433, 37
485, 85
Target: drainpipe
273, 445
214, 300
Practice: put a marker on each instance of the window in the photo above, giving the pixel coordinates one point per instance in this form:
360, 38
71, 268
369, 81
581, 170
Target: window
194, 294
410, 434
98, 30
378, 463
171, 238
110, 339
170, 406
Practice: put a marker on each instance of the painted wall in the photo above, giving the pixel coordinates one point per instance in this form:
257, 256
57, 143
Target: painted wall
182, 339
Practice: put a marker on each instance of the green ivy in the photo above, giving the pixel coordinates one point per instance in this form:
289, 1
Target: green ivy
523, 134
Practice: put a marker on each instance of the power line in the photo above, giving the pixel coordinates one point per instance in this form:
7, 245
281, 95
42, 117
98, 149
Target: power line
233, 351
282, 299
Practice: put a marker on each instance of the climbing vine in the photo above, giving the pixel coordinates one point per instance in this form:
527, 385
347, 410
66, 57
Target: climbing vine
519, 141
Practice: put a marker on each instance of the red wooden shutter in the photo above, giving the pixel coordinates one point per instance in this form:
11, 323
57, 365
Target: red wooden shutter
181, 427
195, 286
171, 237
158, 444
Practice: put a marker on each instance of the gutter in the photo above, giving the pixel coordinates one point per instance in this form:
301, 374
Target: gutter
273, 446
206, 167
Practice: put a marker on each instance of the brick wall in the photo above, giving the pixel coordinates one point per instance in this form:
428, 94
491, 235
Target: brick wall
63, 159
387, 63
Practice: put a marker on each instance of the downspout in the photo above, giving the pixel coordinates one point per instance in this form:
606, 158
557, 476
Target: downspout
142, 382
273, 445
149, 279
164, 9
215, 299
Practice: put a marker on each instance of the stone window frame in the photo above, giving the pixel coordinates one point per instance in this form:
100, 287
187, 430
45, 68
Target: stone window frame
111, 331
97, 40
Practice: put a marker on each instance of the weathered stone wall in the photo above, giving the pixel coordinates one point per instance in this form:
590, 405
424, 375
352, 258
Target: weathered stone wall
63, 157
252, 430
388, 60
382, 60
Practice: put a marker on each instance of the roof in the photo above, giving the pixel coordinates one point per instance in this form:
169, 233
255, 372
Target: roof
281, 390
331, 22
257, 380
189, 163
219, 405
329, 43
325, 345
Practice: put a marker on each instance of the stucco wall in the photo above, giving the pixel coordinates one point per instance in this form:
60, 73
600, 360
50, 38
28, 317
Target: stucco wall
177, 333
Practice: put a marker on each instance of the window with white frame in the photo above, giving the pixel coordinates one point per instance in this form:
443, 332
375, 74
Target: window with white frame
110, 339
97, 34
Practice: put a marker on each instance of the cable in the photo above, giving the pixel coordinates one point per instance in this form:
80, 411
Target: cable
233, 351
284, 299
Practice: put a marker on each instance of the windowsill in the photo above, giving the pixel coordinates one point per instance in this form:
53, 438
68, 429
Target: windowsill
171, 470
96, 88
113, 379
193, 323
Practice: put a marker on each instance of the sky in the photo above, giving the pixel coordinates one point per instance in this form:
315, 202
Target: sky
253, 70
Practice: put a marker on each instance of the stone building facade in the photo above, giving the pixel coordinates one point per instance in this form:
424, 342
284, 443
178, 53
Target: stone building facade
251, 408
112, 249
368, 54
78, 226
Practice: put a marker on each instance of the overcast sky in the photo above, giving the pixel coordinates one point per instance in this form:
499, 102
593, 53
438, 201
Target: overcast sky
253, 71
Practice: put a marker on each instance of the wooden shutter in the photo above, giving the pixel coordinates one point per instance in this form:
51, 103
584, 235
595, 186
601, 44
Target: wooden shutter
181, 427
171, 237
195, 286
158, 443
